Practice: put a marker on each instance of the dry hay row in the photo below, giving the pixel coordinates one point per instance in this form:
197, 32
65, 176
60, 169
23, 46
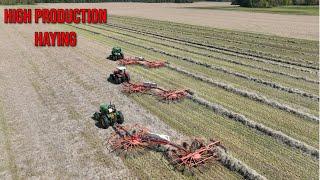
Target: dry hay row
250, 95
225, 49
216, 57
217, 31
236, 165
218, 51
278, 135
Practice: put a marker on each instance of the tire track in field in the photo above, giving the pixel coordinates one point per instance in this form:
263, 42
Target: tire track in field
222, 52
250, 95
278, 135
216, 57
222, 48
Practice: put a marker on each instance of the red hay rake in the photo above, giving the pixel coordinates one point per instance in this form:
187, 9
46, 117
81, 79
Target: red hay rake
128, 139
173, 95
141, 61
163, 94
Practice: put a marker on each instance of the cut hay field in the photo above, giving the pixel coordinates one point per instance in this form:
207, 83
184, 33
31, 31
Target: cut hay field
257, 94
271, 82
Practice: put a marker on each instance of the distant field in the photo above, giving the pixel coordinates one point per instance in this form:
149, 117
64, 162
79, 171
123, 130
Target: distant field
297, 10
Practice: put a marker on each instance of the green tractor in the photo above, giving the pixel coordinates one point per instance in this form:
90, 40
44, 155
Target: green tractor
108, 116
116, 54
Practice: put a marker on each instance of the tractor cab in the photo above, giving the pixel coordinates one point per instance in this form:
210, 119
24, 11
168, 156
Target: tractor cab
108, 116
107, 109
121, 70
119, 76
116, 54
116, 51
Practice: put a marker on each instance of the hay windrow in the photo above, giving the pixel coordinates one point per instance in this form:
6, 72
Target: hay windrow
236, 165
260, 127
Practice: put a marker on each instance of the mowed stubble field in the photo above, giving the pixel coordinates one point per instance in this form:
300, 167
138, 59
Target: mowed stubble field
270, 80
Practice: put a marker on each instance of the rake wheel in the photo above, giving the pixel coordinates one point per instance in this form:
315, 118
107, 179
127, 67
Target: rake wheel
172, 95
134, 88
127, 139
193, 156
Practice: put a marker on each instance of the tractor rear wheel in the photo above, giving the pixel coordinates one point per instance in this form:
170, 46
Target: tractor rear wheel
120, 118
117, 80
105, 122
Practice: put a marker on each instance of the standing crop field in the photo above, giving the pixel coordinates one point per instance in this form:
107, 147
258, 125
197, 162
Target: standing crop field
255, 93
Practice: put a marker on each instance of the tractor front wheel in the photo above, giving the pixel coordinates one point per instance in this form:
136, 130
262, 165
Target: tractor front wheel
128, 78
105, 122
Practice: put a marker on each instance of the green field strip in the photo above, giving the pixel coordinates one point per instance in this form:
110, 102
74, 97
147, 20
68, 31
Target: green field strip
222, 34
226, 60
294, 99
271, 117
287, 9
275, 52
267, 40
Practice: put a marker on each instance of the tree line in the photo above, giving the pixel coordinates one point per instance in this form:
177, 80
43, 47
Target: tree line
273, 3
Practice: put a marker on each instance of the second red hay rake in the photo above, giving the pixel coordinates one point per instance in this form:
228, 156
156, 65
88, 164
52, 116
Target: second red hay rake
163, 94
141, 61
186, 157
